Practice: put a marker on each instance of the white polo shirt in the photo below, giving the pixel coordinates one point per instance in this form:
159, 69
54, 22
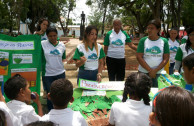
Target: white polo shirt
116, 43
23, 111
153, 52
173, 49
130, 113
11, 119
65, 117
52, 56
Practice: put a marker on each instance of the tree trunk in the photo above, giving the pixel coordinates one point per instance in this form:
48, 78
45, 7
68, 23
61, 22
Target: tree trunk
32, 25
62, 25
102, 33
179, 13
174, 19
155, 8
67, 22
18, 24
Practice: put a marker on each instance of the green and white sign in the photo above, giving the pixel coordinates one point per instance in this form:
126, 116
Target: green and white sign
21, 55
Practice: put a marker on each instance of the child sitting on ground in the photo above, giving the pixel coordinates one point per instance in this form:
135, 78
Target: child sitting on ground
10, 119
61, 93
188, 67
133, 111
173, 106
17, 90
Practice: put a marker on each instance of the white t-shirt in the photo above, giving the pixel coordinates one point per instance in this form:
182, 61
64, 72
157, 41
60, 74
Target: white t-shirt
130, 113
153, 52
52, 58
65, 117
23, 111
11, 119
91, 56
44, 37
173, 49
116, 43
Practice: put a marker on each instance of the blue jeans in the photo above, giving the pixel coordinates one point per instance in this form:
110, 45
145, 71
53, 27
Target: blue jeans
154, 80
87, 74
47, 81
171, 68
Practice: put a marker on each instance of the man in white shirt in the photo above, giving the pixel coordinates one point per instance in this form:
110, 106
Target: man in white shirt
61, 92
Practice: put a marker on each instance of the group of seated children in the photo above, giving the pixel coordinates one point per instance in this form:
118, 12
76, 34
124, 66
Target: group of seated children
172, 106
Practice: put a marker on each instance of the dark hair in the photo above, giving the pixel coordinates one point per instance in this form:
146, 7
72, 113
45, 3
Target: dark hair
176, 29
51, 29
41, 123
188, 43
38, 28
157, 23
138, 84
61, 92
13, 85
189, 61
174, 106
2, 118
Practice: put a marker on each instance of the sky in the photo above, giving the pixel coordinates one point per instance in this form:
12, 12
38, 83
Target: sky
76, 14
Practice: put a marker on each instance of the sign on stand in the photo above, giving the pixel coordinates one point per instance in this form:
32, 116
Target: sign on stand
93, 85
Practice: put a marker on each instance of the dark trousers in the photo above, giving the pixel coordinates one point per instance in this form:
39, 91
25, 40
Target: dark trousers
47, 81
116, 68
87, 74
171, 68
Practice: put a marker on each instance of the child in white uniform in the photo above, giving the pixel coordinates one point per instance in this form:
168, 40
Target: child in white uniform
61, 93
172, 106
10, 119
17, 90
133, 111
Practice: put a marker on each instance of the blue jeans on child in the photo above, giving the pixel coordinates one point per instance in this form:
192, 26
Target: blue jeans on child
87, 74
47, 81
171, 68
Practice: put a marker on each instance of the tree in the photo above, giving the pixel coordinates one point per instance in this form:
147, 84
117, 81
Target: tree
70, 4
103, 6
139, 10
10, 13
187, 15
95, 19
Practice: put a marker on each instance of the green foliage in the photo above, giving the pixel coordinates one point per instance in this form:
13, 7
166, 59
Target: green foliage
187, 14
96, 19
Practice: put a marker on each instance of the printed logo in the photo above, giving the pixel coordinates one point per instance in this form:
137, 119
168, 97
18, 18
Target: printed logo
93, 56
153, 50
118, 42
43, 39
173, 49
55, 52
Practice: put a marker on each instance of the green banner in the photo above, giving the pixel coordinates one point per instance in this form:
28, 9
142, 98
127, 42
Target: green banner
21, 55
